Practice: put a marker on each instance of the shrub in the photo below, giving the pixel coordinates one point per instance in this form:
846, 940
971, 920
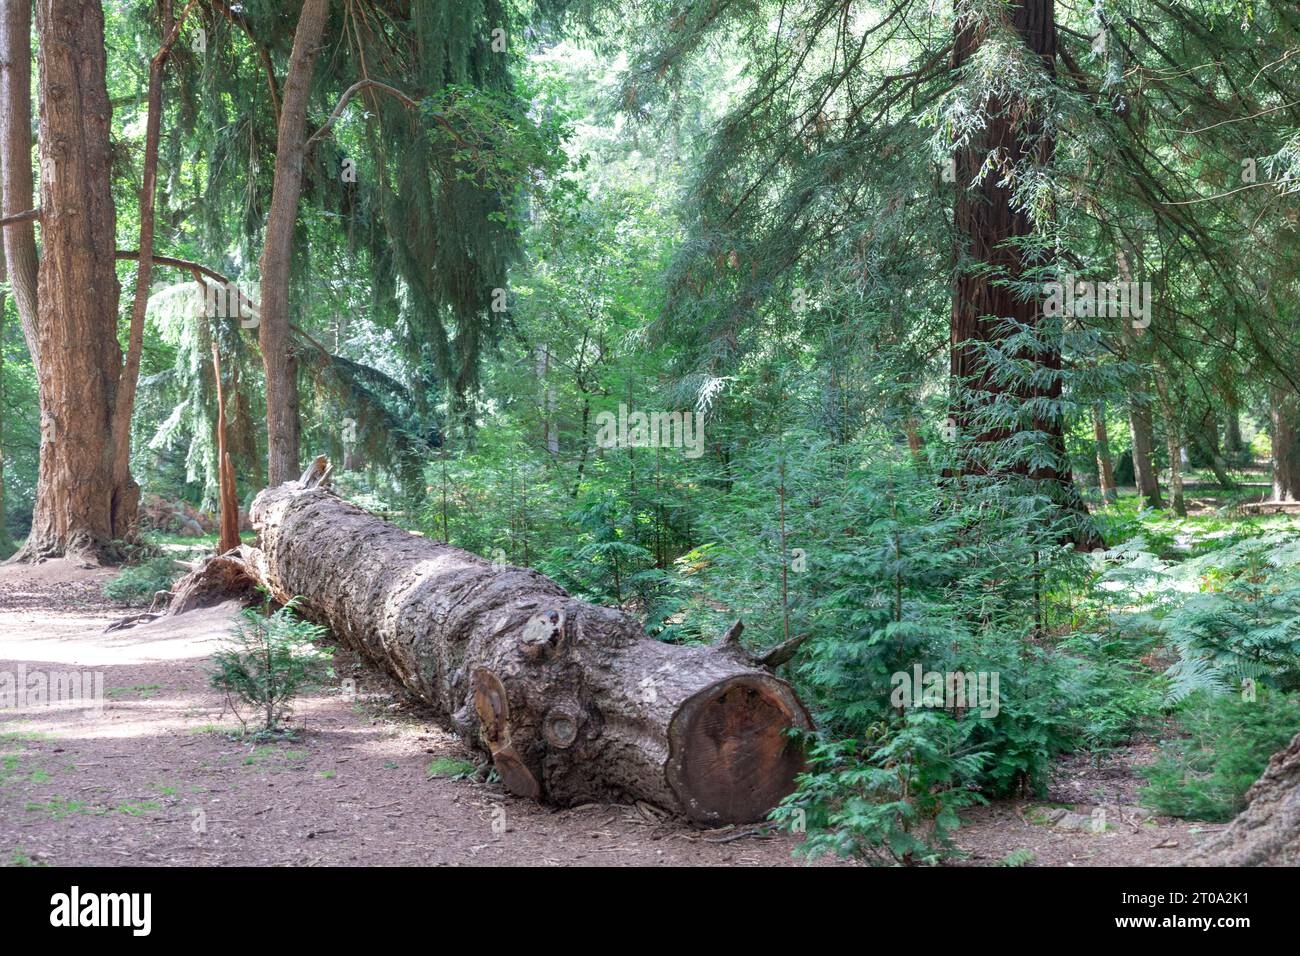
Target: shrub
138, 584
1205, 775
893, 802
270, 660
1118, 695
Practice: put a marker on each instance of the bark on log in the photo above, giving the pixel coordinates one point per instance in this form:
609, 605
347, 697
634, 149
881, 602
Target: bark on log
1267, 832
573, 702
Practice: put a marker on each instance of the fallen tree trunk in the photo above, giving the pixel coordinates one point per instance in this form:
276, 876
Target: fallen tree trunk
573, 702
1267, 832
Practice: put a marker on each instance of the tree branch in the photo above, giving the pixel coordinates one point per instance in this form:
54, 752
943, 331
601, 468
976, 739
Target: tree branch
262, 52
405, 100
31, 215
197, 270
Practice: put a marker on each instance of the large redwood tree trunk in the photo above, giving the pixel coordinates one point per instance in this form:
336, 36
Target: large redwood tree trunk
988, 225
572, 701
273, 334
80, 361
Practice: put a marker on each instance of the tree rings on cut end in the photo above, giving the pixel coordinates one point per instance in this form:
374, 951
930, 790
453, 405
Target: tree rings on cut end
730, 758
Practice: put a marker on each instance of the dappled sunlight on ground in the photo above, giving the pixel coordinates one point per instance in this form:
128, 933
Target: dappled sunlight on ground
161, 776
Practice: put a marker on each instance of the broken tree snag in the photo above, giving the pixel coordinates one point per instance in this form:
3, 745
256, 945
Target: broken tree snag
573, 702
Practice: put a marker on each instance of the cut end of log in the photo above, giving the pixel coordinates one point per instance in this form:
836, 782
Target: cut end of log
732, 760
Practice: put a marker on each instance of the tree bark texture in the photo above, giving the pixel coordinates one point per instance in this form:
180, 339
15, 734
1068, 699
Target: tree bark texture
1144, 462
1105, 466
77, 287
1267, 832
1173, 445
1284, 409
229, 536
126, 493
273, 332
573, 702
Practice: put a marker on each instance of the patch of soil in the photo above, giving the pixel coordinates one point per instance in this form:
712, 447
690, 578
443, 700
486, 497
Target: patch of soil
54, 597
990, 835
1100, 820
158, 776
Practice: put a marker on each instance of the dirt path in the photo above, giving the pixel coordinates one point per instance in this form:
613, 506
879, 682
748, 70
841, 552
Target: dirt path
156, 777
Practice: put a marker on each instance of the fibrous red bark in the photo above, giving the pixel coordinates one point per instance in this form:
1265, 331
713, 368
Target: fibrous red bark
80, 361
573, 702
990, 229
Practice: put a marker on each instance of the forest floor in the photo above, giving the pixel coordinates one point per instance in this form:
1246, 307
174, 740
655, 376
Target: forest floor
158, 777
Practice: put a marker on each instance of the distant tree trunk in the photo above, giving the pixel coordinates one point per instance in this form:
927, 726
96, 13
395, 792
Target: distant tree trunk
229, 536
1173, 445
1233, 446
1206, 438
1105, 467
1144, 467
273, 333
464, 385
988, 225
915, 442
550, 435
6, 542
16, 161
1285, 413
77, 294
